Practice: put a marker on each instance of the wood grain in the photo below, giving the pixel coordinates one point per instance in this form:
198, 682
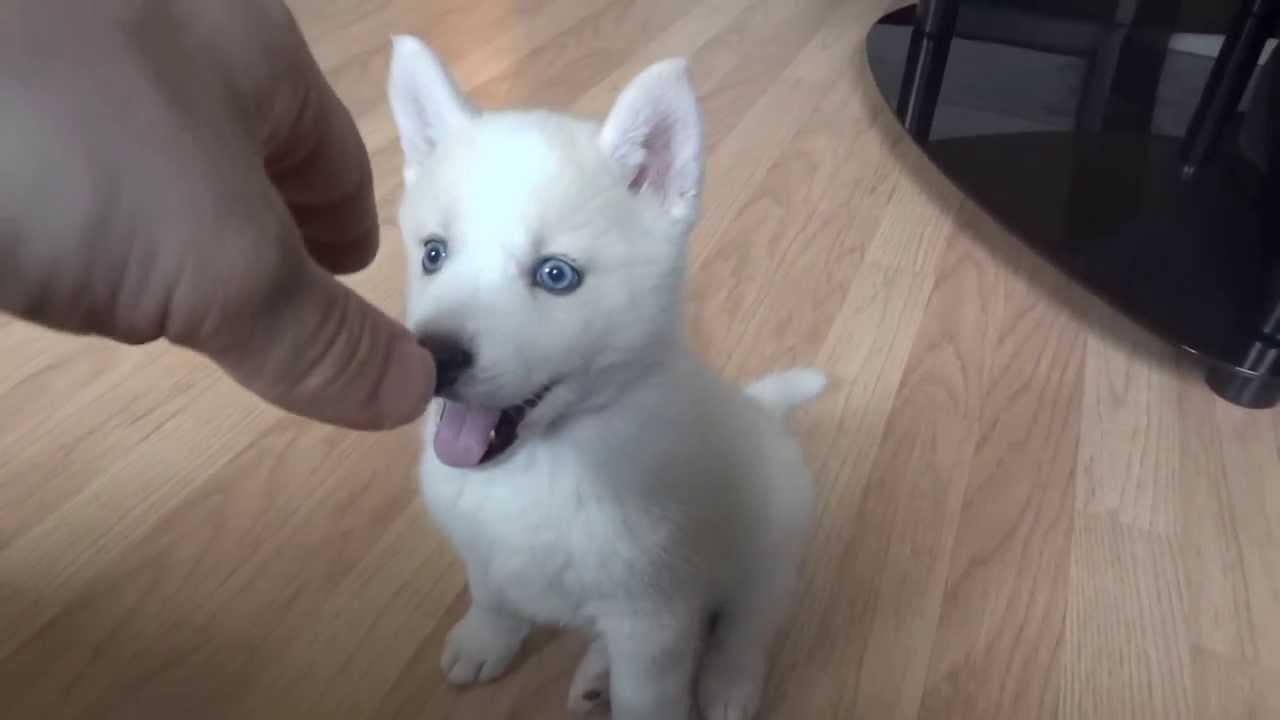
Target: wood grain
1126, 604
1026, 508
999, 641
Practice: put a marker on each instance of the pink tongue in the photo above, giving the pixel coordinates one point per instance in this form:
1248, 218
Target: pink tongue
463, 434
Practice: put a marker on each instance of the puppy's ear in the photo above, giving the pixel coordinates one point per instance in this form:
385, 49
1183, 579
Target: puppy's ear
654, 135
424, 101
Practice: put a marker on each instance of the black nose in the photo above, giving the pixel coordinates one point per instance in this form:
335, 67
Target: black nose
452, 359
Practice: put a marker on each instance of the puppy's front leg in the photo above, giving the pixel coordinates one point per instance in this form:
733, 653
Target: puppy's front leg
652, 660
485, 641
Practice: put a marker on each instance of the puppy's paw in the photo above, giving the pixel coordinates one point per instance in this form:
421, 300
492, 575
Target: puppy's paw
589, 691
729, 689
478, 650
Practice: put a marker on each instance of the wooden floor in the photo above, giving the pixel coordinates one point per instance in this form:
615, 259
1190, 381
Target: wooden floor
1028, 509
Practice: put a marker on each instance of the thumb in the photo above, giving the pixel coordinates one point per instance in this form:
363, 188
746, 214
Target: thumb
310, 345
322, 351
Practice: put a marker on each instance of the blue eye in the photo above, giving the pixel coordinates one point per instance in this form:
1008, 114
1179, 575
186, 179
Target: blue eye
557, 276
434, 252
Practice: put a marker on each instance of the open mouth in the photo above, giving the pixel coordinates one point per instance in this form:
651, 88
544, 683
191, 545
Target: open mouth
471, 435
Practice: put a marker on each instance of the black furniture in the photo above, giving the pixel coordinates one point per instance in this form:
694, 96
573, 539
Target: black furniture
1135, 144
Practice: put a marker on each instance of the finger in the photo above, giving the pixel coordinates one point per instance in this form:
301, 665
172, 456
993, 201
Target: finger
325, 353
320, 166
309, 344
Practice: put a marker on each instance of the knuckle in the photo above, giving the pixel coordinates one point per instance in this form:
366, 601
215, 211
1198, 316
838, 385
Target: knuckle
338, 350
223, 296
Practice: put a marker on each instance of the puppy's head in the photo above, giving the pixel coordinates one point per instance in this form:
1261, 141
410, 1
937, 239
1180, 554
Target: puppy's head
546, 252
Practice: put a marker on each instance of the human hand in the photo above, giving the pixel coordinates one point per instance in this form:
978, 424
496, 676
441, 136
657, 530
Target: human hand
181, 169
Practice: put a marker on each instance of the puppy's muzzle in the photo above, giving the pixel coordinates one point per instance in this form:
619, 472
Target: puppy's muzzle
453, 359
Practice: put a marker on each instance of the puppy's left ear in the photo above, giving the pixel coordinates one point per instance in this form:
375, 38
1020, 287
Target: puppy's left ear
654, 135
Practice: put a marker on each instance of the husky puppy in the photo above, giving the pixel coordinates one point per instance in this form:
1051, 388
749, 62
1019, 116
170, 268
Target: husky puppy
587, 468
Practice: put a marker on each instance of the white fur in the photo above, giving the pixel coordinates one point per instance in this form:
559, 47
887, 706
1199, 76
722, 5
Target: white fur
644, 494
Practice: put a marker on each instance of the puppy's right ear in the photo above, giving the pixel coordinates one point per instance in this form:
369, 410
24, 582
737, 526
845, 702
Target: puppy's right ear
424, 101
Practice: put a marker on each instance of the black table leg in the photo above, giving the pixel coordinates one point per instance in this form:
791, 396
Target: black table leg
1254, 382
1236, 63
926, 64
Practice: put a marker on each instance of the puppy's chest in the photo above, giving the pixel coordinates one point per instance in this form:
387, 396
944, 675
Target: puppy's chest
549, 546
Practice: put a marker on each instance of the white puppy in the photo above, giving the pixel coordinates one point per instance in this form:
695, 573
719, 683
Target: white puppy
588, 469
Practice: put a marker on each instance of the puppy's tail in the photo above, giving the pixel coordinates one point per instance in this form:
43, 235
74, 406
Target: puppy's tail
783, 391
